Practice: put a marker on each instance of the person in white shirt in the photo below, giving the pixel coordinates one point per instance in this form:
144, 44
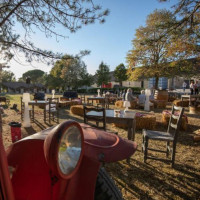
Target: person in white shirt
129, 96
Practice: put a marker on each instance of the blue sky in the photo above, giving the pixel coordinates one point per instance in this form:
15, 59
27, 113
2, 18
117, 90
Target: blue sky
108, 42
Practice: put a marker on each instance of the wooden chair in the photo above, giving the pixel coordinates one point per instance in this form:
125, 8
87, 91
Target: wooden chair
97, 119
104, 104
52, 110
82, 97
170, 137
83, 100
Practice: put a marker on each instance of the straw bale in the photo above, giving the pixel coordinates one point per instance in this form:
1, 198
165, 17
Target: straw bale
160, 103
142, 122
77, 109
178, 102
166, 117
133, 104
196, 138
119, 104
171, 98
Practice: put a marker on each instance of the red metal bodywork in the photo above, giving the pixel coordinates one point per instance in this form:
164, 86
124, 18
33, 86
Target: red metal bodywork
33, 178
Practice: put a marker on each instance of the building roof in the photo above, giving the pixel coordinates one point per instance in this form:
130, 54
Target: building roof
18, 85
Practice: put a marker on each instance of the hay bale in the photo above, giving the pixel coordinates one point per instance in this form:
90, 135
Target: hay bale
196, 138
166, 116
178, 102
161, 95
77, 110
119, 104
143, 121
171, 99
133, 104
160, 103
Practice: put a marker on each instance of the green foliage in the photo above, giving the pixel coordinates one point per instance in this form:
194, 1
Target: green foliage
188, 13
74, 72
136, 90
120, 73
102, 74
157, 51
69, 72
35, 75
7, 76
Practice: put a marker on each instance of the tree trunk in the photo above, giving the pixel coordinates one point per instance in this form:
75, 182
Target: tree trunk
156, 82
120, 83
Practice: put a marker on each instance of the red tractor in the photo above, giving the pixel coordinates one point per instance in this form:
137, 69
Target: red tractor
62, 163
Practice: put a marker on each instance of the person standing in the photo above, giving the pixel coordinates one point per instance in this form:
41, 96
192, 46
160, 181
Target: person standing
192, 88
184, 86
129, 96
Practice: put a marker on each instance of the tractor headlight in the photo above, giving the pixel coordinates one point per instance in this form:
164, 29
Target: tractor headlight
69, 150
64, 149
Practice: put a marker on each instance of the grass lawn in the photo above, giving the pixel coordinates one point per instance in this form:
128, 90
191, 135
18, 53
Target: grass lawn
137, 180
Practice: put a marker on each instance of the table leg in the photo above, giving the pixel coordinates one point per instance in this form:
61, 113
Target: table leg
131, 133
33, 113
131, 130
182, 101
189, 101
49, 115
45, 113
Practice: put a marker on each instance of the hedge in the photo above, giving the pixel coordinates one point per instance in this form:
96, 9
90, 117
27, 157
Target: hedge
136, 90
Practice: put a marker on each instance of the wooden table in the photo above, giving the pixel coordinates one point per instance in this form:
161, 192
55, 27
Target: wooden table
124, 118
190, 98
38, 103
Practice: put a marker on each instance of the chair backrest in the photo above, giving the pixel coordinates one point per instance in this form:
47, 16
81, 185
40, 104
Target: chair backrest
53, 104
175, 120
107, 102
82, 97
99, 117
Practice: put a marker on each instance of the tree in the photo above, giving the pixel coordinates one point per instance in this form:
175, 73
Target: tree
102, 74
188, 11
158, 52
73, 72
120, 73
36, 75
44, 16
8, 76
86, 79
54, 78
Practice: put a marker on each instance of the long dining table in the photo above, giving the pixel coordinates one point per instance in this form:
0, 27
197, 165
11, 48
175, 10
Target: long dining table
127, 118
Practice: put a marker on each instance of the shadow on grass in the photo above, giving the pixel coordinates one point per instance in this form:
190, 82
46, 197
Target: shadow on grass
30, 130
40, 125
166, 184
